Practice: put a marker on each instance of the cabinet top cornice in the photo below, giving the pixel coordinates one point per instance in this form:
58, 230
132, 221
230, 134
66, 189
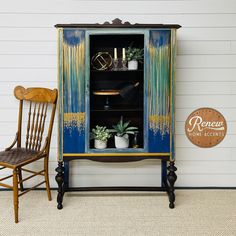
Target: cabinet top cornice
117, 23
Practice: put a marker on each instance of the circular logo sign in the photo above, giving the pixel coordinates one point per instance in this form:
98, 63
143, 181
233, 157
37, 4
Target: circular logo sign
205, 127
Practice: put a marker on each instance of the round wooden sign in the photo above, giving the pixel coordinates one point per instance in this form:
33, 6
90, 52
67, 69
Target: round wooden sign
205, 127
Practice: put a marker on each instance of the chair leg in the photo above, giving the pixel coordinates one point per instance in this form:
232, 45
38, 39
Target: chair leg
15, 194
20, 179
47, 178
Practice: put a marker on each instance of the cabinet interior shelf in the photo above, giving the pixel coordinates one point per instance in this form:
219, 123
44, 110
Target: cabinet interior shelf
116, 71
117, 110
120, 150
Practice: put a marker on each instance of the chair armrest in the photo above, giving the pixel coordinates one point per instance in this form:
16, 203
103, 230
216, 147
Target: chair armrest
13, 144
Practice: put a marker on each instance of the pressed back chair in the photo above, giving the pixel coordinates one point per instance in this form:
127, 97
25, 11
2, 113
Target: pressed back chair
34, 147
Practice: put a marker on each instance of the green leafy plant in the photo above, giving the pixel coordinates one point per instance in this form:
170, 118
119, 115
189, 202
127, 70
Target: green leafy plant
101, 133
122, 128
134, 54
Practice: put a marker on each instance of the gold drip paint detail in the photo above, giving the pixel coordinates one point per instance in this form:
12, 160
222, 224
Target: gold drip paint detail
72, 120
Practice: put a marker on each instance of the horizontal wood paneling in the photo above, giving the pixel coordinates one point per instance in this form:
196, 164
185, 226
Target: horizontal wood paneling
206, 154
49, 34
184, 74
205, 74
47, 20
209, 88
191, 47
228, 142
145, 180
206, 70
10, 128
19, 75
202, 47
220, 101
147, 167
233, 47
183, 61
206, 61
29, 61
27, 48
181, 114
183, 101
181, 141
116, 7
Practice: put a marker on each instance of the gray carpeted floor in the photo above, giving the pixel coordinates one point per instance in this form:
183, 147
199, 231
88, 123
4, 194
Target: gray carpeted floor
197, 212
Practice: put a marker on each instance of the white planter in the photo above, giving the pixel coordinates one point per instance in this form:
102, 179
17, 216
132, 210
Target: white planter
99, 144
133, 65
122, 142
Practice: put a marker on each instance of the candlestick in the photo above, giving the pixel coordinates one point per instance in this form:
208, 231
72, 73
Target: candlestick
115, 53
115, 64
123, 54
124, 67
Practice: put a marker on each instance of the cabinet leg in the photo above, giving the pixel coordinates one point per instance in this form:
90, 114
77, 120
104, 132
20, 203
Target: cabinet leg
66, 175
172, 177
60, 181
163, 173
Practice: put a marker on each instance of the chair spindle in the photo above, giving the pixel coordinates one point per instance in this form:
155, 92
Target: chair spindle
32, 127
28, 127
36, 128
42, 129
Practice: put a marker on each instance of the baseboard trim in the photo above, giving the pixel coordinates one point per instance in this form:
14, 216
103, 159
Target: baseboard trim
137, 188
207, 188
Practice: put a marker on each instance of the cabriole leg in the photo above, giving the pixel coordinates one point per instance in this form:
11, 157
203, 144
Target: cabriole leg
172, 177
60, 181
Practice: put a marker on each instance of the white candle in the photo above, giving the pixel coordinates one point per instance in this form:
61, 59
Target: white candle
123, 54
115, 53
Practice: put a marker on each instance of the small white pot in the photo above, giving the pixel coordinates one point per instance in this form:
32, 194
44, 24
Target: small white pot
122, 142
133, 65
99, 144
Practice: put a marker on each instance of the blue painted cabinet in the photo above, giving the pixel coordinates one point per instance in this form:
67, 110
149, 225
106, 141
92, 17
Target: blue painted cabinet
150, 106
158, 73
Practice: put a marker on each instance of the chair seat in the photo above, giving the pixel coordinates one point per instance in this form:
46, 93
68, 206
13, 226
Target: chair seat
17, 156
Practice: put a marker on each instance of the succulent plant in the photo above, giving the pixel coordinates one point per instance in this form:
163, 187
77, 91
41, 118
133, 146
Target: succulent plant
122, 128
101, 133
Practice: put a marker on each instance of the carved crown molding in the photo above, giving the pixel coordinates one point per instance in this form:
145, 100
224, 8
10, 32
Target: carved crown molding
116, 22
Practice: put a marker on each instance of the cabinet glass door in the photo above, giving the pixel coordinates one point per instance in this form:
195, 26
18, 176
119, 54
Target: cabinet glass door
115, 91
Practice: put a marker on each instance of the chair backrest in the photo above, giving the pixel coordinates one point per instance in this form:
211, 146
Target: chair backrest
39, 100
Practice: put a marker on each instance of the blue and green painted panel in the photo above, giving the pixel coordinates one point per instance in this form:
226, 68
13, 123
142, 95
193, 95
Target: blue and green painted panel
159, 56
73, 70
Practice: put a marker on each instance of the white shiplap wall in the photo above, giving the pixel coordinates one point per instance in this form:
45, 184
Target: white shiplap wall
206, 76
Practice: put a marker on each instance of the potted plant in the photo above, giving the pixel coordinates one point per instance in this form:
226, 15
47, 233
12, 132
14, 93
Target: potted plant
134, 55
100, 134
122, 131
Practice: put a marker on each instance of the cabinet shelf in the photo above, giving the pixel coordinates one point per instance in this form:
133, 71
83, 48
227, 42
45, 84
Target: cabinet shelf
116, 71
117, 110
117, 150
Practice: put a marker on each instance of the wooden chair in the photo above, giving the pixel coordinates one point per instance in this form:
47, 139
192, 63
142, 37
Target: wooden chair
39, 100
